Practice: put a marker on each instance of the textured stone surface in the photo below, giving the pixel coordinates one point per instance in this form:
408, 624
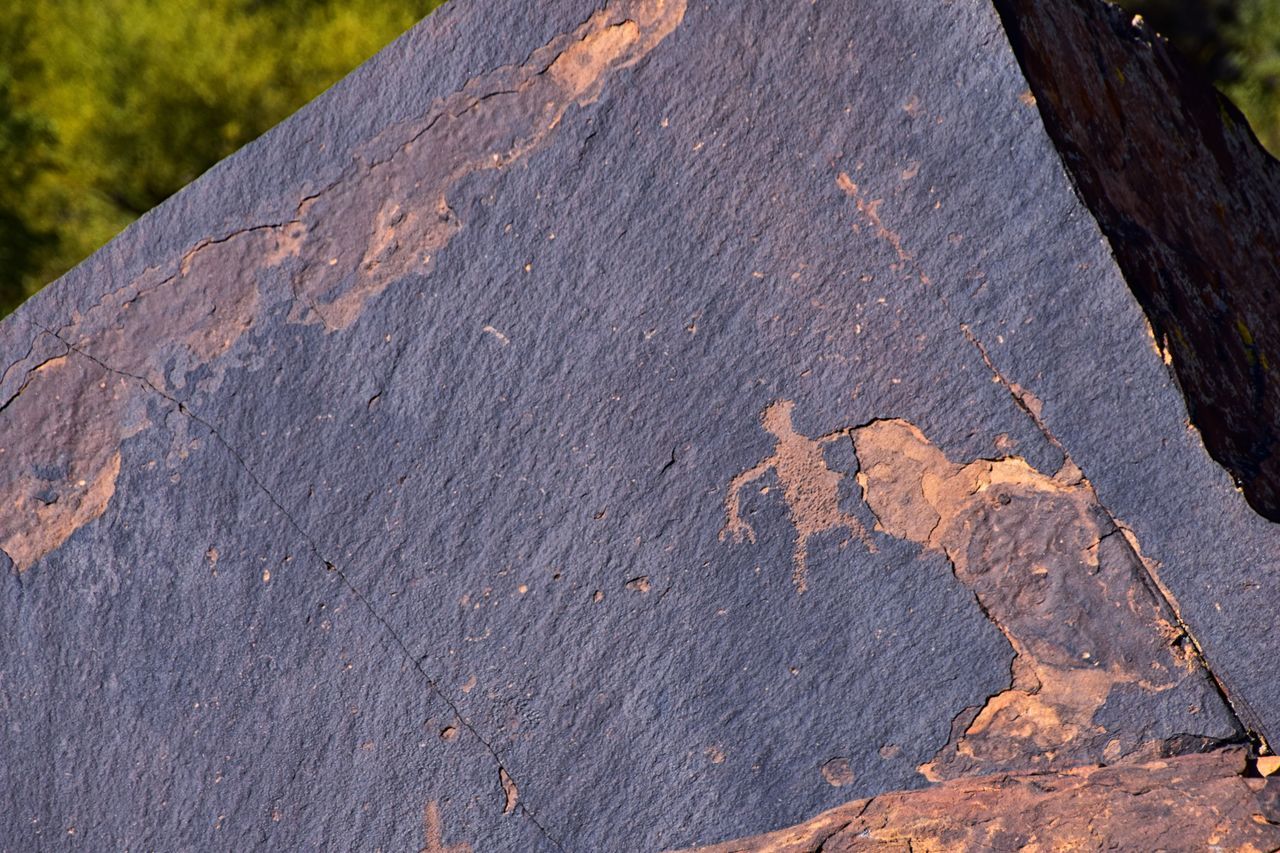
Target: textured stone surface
1191, 206
605, 420
1190, 802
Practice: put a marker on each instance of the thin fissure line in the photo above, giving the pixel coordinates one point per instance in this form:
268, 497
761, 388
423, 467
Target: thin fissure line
27, 377
31, 347
1153, 581
395, 635
1162, 592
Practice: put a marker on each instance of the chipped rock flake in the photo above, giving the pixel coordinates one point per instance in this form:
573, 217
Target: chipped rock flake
1044, 563
509, 791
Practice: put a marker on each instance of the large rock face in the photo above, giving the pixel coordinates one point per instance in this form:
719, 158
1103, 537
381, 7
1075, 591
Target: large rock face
635, 427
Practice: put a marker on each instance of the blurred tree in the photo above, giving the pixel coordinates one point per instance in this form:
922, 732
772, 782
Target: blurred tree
1235, 44
107, 107
1254, 39
24, 152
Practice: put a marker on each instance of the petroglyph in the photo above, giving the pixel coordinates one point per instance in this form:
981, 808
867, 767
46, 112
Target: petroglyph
810, 489
870, 209
1047, 566
1094, 646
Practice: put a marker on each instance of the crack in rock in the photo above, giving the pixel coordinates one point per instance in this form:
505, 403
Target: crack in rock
1089, 634
1033, 408
1094, 642
381, 220
507, 784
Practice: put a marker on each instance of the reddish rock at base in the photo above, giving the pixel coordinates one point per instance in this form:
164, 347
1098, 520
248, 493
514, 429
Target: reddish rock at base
1190, 802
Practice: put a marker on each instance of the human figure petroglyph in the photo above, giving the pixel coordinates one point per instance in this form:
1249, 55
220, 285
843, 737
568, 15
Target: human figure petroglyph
810, 489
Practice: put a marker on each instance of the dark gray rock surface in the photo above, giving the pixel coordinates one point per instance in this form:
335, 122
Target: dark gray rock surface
418, 478
1190, 204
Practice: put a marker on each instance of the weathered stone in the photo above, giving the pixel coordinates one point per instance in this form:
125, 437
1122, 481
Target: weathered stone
1190, 802
632, 428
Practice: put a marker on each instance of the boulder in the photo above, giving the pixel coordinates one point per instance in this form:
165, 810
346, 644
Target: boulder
635, 425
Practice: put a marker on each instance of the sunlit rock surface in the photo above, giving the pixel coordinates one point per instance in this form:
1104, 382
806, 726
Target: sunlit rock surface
638, 426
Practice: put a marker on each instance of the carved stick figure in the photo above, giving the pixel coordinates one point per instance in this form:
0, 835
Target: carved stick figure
810, 488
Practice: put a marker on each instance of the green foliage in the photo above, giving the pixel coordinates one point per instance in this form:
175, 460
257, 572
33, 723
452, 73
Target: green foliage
1255, 39
1235, 44
107, 107
25, 141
